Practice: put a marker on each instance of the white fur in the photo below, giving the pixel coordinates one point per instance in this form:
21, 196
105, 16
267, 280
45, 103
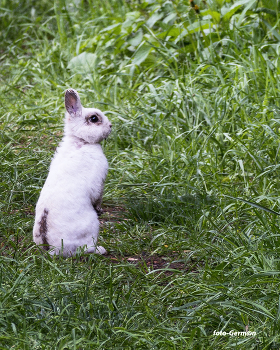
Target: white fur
66, 212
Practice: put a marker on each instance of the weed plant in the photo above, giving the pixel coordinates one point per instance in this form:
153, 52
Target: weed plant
192, 91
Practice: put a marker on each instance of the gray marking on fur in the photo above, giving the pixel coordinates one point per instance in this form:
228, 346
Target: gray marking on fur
43, 229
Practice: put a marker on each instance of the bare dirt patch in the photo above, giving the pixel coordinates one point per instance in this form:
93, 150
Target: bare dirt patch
170, 263
147, 263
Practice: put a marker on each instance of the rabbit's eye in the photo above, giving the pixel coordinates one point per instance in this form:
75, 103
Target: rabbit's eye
93, 118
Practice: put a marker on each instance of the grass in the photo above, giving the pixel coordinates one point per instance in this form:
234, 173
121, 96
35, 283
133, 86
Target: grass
192, 194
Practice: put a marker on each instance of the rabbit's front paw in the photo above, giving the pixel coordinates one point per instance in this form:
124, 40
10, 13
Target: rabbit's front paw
98, 210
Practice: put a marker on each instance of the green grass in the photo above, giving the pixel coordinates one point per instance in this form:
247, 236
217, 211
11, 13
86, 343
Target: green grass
194, 173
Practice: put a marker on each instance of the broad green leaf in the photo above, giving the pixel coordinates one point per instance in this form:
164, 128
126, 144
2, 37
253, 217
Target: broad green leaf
133, 15
141, 54
214, 14
228, 13
136, 40
110, 28
83, 63
242, 2
153, 19
197, 26
170, 17
173, 32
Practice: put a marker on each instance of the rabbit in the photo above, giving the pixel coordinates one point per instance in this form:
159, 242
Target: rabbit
68, 207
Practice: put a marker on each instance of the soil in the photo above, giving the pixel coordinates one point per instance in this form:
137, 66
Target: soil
168, 264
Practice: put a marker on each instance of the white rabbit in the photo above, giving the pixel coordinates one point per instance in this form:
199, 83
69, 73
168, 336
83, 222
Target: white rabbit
70, 200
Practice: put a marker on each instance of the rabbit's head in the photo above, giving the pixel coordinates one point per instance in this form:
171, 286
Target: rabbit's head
89, 124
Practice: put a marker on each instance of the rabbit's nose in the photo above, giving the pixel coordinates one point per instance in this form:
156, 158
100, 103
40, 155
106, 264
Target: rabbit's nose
110, 125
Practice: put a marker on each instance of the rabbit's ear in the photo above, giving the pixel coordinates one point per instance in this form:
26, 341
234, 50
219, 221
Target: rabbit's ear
73, 103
